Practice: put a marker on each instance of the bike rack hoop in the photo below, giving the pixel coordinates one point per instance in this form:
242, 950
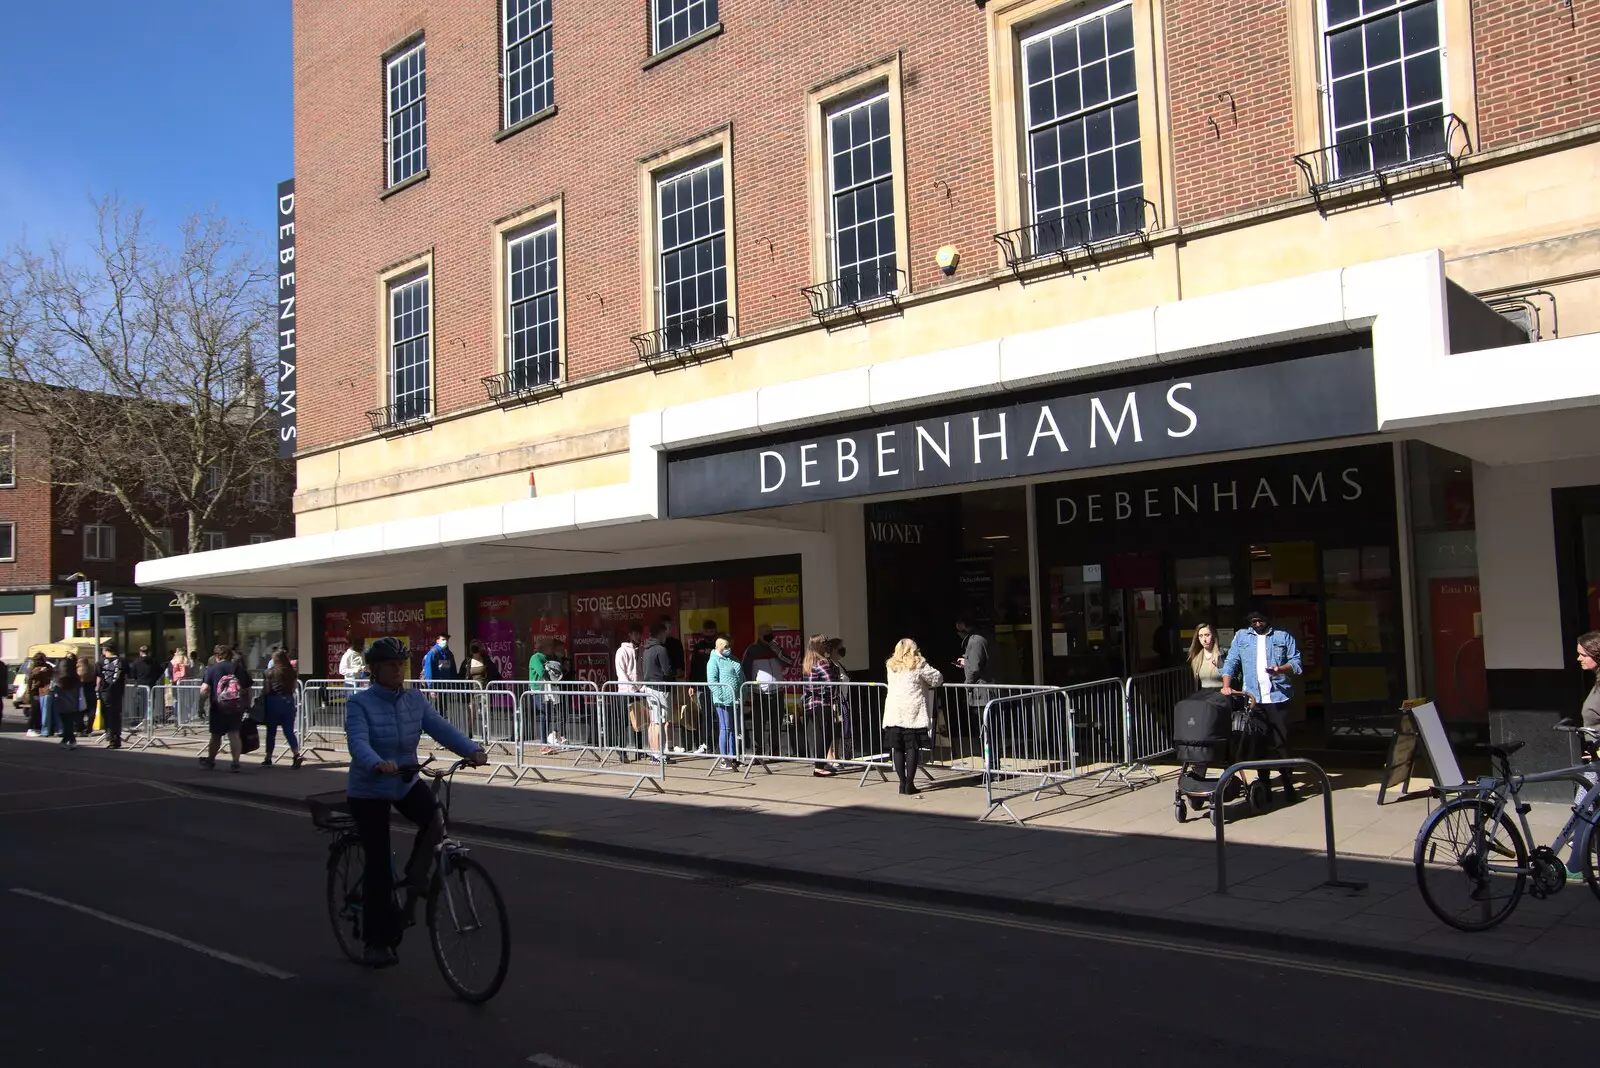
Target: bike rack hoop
1220, 791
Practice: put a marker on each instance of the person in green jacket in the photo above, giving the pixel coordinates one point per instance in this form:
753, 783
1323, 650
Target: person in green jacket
536, 679
724, 676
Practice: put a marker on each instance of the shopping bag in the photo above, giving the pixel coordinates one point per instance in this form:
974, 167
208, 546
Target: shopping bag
249, 736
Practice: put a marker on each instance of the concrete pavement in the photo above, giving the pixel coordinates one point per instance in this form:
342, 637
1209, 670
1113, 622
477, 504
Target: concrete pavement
1107, 857
629, 965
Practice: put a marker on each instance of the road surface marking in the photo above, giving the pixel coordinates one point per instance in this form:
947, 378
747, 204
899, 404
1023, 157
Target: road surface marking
1405, 981
550, 1060
86, 804
165, 936
400, 827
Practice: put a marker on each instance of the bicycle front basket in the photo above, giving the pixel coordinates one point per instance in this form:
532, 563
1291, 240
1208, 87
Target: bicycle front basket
331, 811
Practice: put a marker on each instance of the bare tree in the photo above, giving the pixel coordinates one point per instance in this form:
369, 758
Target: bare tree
146, 365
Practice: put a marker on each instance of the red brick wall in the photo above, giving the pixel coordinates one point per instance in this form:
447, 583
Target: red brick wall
1538, 68
1220, 51
611, 113
27, 504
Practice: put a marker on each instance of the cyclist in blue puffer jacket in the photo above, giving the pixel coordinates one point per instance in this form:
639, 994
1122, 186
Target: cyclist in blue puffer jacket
383, 723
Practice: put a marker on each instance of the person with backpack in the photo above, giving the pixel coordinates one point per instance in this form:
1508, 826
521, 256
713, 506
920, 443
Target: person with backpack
226, 683
112, 686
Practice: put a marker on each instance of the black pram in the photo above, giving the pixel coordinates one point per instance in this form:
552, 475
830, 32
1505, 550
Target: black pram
1211, 729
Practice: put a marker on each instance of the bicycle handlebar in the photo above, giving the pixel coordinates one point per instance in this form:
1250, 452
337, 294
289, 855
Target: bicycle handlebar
411, 770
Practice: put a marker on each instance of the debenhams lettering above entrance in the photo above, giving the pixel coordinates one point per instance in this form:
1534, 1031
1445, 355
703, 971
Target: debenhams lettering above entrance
1314, 398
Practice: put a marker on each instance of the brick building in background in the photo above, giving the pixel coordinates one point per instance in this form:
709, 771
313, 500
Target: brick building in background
47, 545
724, 309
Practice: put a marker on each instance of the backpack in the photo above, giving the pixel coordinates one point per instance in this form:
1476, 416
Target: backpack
229, 691
554, 671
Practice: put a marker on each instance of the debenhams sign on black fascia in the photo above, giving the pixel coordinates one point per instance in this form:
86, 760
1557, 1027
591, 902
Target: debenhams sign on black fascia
1314, 398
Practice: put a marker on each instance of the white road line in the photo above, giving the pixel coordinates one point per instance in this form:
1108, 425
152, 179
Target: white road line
86, 804
550, 1060
1407, 981
165, 936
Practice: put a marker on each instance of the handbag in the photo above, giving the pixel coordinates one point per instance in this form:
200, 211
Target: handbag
249, 736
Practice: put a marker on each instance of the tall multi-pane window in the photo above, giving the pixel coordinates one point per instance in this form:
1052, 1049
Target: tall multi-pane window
861, 187
8, 459
8, 541
99, 541
407, 103
679, 20
212, 540
528, 78
694, 256
410, 355
533, 308
1385, 77
1085, 172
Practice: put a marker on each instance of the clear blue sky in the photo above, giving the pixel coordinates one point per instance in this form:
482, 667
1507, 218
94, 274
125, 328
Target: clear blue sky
175, 105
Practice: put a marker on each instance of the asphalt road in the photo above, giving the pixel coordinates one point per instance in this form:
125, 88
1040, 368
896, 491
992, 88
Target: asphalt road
617, 965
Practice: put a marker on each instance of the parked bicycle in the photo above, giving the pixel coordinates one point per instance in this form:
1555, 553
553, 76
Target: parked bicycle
1472, 862
466, 917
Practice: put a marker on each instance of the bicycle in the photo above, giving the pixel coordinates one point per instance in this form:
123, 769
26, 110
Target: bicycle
465, 912
1472, 835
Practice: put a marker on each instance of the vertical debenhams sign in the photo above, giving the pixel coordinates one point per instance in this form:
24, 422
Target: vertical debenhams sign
1314, 398
287, 395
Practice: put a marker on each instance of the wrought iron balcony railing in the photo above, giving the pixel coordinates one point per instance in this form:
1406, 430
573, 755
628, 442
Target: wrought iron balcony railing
526, 383
1086, 233
395, 418
1385, 158
685, 340
855, 290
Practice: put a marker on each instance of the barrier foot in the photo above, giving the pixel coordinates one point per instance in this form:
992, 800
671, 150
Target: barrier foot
993, 806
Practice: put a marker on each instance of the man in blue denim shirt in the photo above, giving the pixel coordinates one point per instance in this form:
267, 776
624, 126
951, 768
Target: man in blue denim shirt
383, 723
1264, 659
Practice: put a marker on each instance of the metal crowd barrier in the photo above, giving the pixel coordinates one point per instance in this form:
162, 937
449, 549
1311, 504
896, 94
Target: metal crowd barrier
321, 721
136, 724
957, 736
1148, 701
176, 715
1044, 740
827, 724
457, 700
578, 728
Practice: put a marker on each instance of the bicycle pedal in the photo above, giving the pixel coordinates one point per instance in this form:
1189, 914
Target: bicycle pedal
1524, 808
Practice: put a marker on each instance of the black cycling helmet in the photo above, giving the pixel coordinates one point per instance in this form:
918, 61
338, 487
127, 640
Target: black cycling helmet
386, 649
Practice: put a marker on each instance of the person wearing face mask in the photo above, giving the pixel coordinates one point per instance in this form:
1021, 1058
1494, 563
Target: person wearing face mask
1264, 659
440, 663
724, 677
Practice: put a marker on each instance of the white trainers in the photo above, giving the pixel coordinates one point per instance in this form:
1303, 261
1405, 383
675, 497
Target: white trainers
72, 745
33, 734
550, 739
702, 750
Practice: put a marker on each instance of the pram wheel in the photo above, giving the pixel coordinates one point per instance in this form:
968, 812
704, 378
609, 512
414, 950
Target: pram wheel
1180, 808
1259, 799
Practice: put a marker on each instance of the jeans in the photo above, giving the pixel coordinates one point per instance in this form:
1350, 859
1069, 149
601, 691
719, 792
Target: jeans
280, 713
382, 927
725, 733
69, 722
47, 713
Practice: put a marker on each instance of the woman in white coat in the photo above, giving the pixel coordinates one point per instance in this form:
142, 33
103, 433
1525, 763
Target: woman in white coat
908, 709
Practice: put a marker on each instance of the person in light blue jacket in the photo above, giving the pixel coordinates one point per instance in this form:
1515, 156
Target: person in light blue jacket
1264, 659
724, 676
383, 723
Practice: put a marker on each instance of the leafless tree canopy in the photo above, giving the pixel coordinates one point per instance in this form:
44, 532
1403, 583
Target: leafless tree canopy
146, 366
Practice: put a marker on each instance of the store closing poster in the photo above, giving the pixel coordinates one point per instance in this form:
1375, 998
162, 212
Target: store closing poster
601, 619
417, 623
777, 605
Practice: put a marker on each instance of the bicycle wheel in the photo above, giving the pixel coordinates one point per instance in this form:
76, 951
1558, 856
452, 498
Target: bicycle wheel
1471, 864
1591, 860
469, 928
346, 865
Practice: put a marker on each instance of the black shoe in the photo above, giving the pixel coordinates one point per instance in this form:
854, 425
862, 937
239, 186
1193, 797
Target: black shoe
911, 789
380, 957
903, 787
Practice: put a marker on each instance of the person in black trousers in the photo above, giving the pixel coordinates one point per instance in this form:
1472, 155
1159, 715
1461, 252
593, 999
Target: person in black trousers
111, 686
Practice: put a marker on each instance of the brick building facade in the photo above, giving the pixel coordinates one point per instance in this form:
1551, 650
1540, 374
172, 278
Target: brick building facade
567, 336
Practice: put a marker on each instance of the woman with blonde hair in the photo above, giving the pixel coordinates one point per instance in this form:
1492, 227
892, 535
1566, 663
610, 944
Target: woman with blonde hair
908, 709
822, 676
1205, 658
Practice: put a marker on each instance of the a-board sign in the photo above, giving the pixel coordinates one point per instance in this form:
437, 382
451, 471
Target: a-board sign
1420, 728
